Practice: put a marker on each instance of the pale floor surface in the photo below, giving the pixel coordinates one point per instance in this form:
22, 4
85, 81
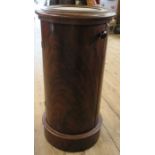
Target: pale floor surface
109, 141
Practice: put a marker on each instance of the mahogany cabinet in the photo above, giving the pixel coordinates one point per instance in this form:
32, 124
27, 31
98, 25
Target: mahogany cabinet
74, 43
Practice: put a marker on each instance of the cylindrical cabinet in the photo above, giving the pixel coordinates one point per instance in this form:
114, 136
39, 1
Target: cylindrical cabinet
74, 46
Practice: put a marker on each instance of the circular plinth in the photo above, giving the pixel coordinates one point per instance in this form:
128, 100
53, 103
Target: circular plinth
72, 142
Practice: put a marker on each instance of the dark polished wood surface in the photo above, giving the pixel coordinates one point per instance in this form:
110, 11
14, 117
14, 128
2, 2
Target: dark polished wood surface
73, 60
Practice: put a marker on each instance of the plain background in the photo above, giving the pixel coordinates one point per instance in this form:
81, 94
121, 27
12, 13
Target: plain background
137, 77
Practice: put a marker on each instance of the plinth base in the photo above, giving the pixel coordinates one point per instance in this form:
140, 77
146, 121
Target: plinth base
72, 143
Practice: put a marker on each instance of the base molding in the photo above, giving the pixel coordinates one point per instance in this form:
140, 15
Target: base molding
72, 143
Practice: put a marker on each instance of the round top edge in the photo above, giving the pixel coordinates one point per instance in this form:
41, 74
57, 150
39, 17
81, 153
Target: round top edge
75, 11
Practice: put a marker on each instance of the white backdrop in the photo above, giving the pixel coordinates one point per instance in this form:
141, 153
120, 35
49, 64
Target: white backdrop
110, 4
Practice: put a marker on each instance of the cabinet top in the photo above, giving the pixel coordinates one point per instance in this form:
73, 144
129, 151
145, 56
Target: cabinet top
74, 14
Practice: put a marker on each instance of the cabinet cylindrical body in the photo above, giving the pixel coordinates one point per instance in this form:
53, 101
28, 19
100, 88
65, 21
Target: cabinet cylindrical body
74, 51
